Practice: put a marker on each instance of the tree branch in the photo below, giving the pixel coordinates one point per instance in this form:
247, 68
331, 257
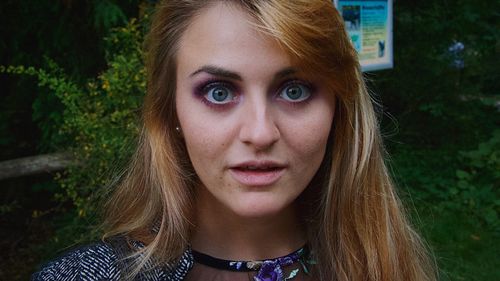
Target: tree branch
33, 165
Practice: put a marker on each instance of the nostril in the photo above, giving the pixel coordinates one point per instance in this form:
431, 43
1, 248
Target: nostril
260, 133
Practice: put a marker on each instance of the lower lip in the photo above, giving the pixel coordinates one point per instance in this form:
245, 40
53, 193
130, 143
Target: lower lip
256, 177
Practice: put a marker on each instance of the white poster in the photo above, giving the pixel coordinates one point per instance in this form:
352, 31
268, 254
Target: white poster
369, 24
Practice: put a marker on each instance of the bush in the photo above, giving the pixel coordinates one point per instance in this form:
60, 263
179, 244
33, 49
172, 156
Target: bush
99, 118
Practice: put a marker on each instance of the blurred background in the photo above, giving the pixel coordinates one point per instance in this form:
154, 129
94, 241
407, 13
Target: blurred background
72, 81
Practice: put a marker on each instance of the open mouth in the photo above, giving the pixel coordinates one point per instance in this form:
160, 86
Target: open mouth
258, 169
257, 175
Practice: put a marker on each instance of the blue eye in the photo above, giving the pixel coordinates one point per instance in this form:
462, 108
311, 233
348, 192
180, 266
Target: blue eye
295, 92
218, 93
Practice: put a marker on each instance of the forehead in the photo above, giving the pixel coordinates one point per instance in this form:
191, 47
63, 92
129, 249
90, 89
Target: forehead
225, 35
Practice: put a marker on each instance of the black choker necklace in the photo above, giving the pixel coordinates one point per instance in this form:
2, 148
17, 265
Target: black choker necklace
270, 269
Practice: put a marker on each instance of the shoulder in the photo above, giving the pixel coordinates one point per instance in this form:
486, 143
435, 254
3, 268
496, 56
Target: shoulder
97, 261
107, 261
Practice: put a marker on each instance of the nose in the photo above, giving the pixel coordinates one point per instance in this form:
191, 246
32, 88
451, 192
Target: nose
259, 128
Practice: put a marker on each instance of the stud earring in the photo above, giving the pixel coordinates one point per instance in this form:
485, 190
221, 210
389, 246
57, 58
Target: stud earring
178, 129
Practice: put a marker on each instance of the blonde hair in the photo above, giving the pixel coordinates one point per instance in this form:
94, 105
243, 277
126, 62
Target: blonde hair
355, 222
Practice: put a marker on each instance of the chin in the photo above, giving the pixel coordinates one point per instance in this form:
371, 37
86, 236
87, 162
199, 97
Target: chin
260, 209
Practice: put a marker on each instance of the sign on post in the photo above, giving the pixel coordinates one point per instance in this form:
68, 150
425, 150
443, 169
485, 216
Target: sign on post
369, 24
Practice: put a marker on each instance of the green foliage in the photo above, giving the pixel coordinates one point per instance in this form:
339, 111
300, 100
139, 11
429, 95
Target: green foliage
107, 14
444, 146
446, 150
477, 184
68, 32
6, 209
435, 103
454, 181
99, 118
464, 250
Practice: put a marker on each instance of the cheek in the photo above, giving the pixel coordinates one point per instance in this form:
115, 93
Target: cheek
308, 136
202, 142
205, 141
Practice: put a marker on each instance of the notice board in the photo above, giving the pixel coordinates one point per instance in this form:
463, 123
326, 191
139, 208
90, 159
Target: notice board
369, 25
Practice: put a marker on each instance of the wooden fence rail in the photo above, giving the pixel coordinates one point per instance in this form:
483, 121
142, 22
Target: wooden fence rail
33, 165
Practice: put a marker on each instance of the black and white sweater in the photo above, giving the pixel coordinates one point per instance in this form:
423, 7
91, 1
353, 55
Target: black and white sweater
105, 261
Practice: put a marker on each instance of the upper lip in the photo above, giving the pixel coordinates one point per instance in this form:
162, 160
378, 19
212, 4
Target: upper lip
258, 164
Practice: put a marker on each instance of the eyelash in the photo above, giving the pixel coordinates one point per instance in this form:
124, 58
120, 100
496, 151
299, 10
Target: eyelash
309, 87
203, 89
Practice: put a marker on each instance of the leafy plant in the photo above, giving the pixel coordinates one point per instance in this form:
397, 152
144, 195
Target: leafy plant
99, 118
477, 187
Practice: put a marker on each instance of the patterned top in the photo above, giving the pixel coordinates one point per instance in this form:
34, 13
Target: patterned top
100, 261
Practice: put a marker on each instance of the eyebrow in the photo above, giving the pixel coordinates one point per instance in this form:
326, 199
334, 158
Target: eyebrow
225, 73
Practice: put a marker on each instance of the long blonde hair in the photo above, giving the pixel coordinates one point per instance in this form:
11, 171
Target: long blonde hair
354, 219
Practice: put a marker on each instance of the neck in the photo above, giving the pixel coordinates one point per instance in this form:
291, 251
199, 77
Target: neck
223, 234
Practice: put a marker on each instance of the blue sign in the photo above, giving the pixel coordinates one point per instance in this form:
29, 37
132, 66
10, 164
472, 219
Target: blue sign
369, 24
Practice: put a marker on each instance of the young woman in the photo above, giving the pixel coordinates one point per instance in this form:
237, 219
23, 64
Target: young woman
260, 157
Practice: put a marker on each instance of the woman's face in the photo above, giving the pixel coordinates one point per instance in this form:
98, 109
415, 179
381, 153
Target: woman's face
255, 126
